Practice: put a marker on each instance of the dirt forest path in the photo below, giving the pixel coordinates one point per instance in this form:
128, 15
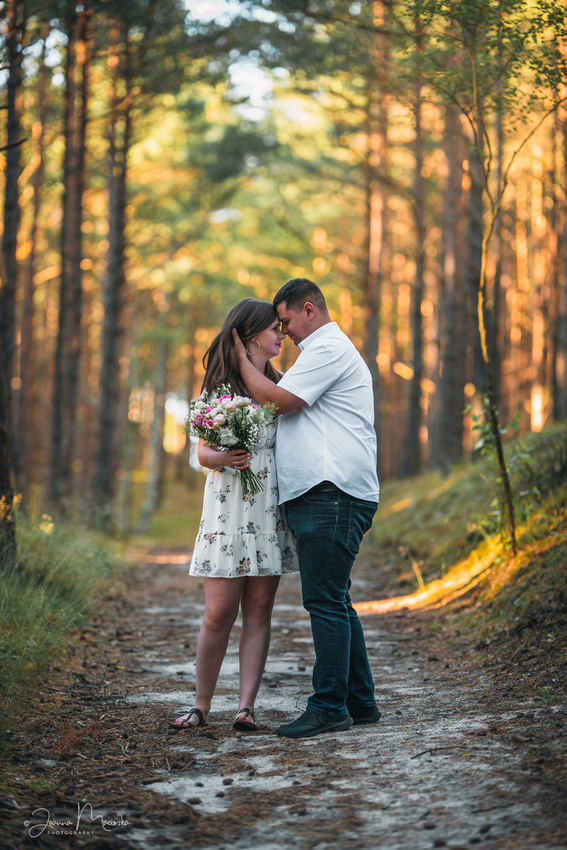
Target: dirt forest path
463, 756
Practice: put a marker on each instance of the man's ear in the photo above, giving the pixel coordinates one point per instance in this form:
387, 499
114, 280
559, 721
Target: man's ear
309, 309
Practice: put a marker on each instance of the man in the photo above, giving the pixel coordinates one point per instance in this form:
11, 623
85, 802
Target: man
326, 465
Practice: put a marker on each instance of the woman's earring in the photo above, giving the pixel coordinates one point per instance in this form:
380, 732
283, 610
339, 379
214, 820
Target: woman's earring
249, 353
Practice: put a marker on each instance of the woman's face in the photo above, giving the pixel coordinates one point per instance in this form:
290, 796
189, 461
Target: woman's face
269, 340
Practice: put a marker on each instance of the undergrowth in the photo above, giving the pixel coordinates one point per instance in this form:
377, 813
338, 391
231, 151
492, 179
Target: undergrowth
439, 519
426, 527
49, 593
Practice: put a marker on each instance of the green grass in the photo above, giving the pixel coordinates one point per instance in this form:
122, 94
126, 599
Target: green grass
52, 589
176, 523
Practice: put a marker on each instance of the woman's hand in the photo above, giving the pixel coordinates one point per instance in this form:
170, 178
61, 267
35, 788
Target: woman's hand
211, 458
236, 459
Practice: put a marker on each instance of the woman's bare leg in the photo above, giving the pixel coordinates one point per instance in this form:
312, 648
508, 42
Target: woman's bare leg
222, 600
257, 602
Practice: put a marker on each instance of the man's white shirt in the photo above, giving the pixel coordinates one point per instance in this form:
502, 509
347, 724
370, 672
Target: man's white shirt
331, 437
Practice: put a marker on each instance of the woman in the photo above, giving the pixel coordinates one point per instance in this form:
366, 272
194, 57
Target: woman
244, 544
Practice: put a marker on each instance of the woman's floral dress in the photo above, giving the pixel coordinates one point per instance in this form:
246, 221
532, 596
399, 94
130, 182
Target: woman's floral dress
244, 535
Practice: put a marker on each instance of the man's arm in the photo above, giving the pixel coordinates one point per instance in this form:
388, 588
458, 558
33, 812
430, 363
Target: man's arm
261, 387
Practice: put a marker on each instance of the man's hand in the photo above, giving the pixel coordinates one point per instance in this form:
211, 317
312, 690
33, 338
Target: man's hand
261, 388
239, 347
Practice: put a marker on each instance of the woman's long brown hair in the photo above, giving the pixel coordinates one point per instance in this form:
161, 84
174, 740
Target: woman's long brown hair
249, 317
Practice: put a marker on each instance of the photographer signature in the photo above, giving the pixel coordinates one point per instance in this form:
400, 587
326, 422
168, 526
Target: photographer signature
71, 827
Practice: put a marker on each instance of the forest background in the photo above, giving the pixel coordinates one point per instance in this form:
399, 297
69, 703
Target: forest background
164, 159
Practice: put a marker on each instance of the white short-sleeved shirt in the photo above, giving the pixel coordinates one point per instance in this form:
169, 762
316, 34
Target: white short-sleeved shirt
331, 437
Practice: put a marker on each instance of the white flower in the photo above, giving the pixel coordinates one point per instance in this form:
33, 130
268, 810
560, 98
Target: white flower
219, 419
228, 438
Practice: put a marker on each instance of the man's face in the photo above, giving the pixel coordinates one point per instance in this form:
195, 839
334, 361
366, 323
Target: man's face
295, 325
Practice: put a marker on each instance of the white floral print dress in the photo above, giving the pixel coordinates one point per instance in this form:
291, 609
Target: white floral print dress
244, 535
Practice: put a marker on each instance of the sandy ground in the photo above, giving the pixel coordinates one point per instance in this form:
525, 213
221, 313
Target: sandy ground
464, 754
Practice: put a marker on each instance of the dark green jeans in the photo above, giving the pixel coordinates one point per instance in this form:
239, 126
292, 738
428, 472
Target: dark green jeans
328, 527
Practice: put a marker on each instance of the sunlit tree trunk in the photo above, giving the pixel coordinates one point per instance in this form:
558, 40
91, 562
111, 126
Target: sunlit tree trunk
67, 357
8, 279
23, 441
108, 411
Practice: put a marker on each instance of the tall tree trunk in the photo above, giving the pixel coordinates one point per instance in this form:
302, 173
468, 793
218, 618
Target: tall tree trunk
9, 268
473, 256
8, 549
8, 272
184, 470
151, 500
487, 233
376, 204
495, 309
411, 459
108, 412
559, 375
25, 412
448, 439
541, 294
67, 357
127, 452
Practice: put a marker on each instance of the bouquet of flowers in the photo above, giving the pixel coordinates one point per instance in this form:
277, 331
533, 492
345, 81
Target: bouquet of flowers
226, 421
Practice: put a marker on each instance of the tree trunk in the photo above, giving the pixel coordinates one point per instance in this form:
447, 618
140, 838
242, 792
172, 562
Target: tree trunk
376, 205
9, 268
541, 294
127, 452
8, 273
67, 356
151, 500
8, 549
448, 439
184, 470
108, 412
473, 258
487, 233
494, 312
23, 439
559, 374
411, 459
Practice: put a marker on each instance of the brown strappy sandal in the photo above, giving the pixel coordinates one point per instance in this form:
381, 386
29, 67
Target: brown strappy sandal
183, 721
248, 723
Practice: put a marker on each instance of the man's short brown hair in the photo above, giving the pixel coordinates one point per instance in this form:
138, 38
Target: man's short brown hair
297, 291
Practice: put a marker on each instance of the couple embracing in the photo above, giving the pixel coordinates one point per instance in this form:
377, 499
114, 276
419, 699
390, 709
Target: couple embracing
320, 483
